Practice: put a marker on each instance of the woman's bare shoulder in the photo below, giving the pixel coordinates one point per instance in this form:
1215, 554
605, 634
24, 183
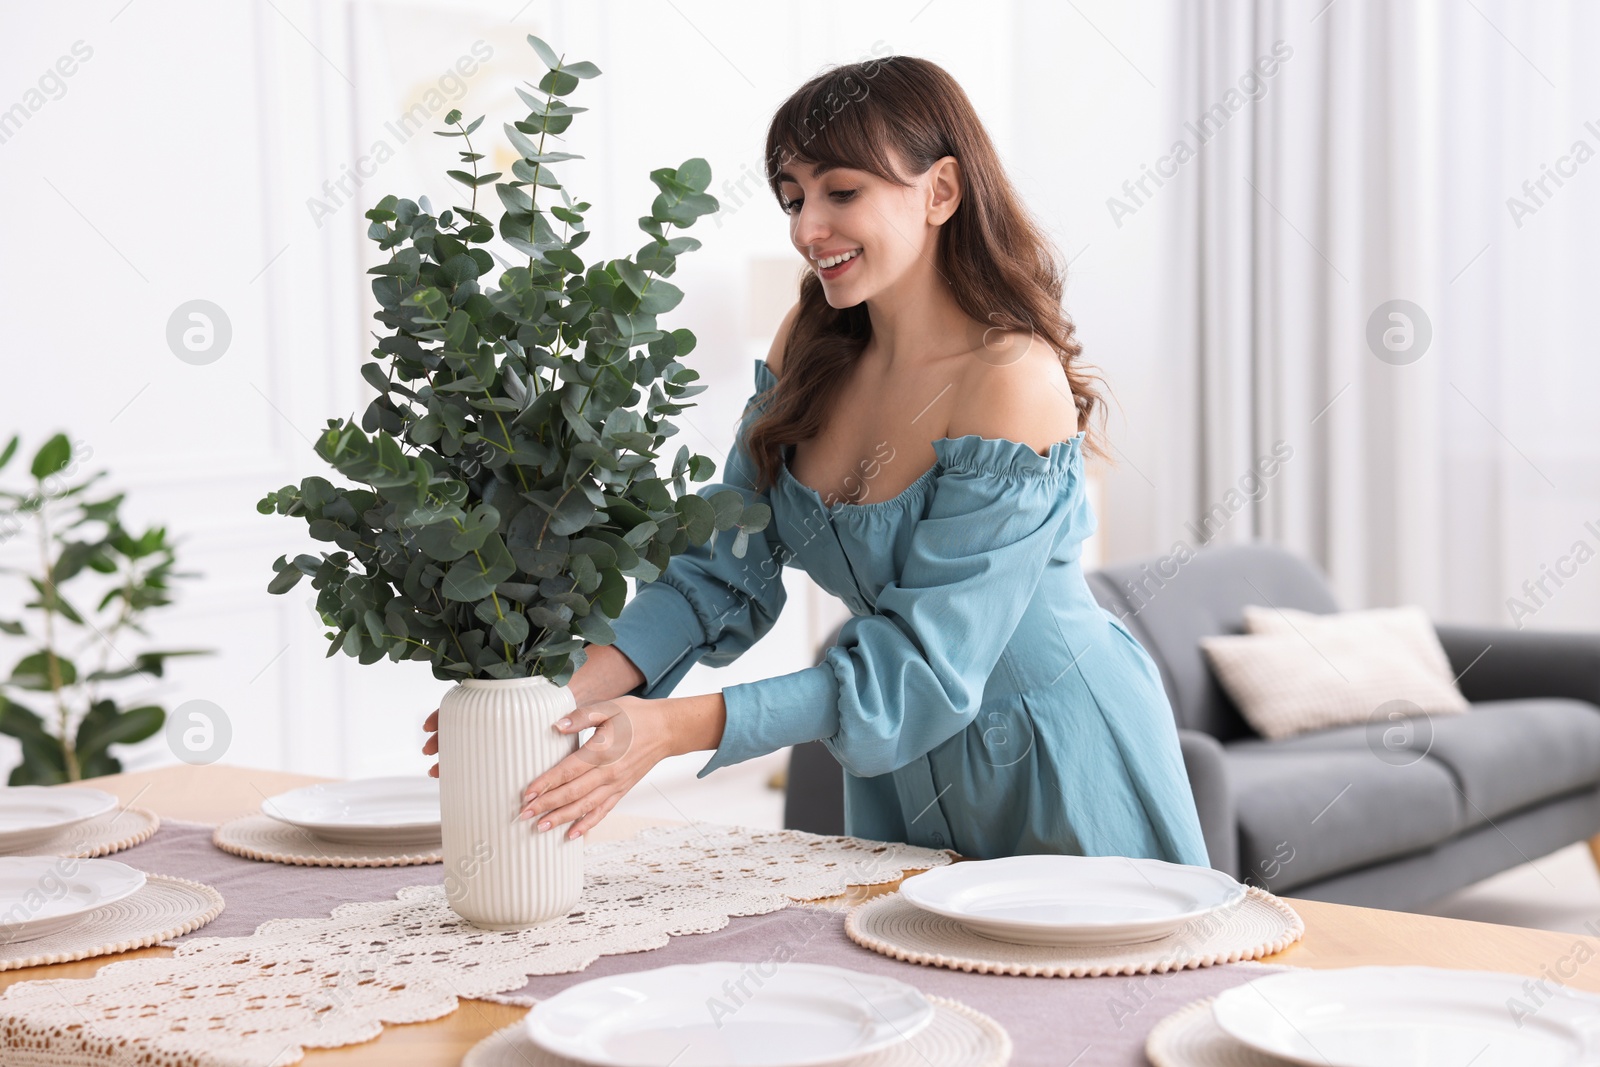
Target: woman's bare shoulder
1024, 396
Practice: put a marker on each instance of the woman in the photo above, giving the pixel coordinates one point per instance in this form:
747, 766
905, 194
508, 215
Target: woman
906, 431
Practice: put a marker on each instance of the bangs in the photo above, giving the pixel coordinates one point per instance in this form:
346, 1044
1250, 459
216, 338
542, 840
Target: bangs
831, 122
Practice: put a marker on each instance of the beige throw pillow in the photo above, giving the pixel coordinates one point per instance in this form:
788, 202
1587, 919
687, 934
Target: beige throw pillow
1409, 625
1306, 671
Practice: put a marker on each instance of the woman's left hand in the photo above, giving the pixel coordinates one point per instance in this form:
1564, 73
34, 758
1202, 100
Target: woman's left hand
631, 735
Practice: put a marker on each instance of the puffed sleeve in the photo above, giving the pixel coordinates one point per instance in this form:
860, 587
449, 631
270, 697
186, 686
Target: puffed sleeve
708, 605
912, 674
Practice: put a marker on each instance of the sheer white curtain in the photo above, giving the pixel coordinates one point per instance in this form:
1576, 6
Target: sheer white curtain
1347, 156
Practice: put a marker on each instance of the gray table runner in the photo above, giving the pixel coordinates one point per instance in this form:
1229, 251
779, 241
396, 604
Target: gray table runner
1081, 1022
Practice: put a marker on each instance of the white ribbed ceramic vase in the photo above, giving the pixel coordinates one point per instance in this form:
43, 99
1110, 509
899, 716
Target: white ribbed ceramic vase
496, 736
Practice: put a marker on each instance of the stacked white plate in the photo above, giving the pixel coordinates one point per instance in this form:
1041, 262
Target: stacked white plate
399, 812
1383, 1016
767, 1014
1072, 900
32, 814
42, 895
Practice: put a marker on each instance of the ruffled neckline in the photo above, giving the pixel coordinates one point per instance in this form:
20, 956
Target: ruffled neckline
999, 456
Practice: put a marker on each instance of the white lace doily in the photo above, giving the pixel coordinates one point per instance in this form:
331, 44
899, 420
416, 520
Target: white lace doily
258, 1001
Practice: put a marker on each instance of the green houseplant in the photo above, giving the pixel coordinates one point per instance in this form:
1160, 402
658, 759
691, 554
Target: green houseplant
501, 486
77, 537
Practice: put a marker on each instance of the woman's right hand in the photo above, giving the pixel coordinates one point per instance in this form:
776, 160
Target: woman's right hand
605, 674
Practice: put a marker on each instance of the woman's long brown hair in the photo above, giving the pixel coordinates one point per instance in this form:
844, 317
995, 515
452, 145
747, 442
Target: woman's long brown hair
998, 262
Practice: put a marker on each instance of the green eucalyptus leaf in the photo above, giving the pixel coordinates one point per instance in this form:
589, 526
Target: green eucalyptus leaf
558, 83
595, 628
544, 51
514, 198
375, 377
519, 140
513, 629
474, 575
660, 298
696, 174
729, 507
634, 278
699, 517
285, 578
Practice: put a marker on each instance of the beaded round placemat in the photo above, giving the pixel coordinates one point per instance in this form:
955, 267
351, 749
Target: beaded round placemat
958, 1036
102, 835
1257, 926
1190, 1037
164, 907
260, 837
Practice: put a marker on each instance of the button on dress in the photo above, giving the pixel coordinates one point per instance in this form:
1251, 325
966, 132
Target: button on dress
979, 699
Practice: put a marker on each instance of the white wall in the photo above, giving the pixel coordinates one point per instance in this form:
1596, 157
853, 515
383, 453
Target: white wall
1094, 91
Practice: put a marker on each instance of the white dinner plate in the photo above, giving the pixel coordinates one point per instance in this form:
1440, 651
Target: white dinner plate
1072, 900
31, 814
1382, 1016
41, 895
401, 810
765, 1014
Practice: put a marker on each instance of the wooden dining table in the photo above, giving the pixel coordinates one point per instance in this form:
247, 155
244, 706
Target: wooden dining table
1336, 935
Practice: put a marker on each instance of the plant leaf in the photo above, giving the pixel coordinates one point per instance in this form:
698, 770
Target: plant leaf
52, 457
544, 51
33, 671
474, 576
696, 174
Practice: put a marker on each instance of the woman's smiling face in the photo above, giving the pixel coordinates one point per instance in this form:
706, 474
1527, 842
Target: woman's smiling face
880, 227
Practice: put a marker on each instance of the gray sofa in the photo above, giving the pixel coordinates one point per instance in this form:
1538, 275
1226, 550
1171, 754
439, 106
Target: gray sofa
1390, 814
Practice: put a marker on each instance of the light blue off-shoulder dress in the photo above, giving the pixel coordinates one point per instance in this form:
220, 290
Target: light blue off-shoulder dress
979, 699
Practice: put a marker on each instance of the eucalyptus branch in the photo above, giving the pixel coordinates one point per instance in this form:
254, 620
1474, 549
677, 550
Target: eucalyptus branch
509, 535
467, 138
